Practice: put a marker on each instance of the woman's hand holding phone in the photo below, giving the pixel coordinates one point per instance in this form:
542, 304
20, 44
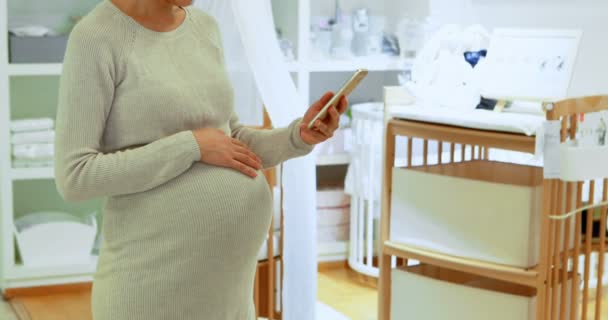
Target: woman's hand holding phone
322, 129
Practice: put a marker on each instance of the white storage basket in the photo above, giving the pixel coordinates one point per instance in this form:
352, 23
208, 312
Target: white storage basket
54, 238
483, 210
430, 293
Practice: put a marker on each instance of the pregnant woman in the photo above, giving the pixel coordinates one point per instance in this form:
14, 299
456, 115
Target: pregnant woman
146, 120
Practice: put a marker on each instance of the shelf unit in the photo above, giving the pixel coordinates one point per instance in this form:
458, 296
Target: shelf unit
12, 273
34, 69
306, 70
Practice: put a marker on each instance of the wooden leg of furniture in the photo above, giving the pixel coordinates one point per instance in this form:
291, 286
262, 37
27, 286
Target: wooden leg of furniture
384, 288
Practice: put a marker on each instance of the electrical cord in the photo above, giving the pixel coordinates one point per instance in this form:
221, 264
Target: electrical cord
579, 210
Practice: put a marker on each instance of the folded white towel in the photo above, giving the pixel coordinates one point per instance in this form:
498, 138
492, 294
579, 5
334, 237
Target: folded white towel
46, 136
39, 163
32, 124
34, 151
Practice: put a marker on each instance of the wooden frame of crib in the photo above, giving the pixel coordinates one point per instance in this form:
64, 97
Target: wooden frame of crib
265, 284
557, 262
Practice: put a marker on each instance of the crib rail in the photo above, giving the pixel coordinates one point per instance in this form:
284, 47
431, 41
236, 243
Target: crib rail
586, 262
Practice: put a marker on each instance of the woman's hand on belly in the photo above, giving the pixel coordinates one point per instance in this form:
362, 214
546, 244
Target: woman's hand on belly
220, 150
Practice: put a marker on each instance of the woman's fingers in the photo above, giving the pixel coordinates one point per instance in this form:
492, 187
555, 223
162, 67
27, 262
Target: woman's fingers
323, 128
343, 105
243, 168
323, 101
247, 149
249, 154
334, 119
248, 160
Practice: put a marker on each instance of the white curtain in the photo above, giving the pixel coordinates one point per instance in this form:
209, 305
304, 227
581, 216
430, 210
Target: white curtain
255, 63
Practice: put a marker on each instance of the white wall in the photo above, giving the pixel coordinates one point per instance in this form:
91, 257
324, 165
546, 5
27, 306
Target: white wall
589, 15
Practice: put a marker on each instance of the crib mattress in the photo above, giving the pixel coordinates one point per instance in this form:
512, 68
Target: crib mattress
522, 123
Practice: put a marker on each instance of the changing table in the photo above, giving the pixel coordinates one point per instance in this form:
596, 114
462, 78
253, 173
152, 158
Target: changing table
464, 237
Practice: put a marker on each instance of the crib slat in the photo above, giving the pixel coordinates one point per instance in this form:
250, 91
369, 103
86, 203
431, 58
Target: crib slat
588, 231
602, 255
425, 152
556, 251
462, 152
577, 251
440, 152
452, 151
574, 187
472, 153
566, 253
486, 153
549, 188
410, 143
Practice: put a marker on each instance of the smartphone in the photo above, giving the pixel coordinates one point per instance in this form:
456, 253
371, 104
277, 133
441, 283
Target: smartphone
347, 89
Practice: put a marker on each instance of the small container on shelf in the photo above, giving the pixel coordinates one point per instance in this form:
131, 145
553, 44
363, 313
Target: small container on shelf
55, 238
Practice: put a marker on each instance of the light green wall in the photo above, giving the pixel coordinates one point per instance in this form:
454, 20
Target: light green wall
41, 195
34, 97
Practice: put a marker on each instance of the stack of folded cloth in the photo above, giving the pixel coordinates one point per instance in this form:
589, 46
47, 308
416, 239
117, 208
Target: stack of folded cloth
33, 142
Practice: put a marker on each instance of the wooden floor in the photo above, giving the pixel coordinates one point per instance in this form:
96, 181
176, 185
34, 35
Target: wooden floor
339, 289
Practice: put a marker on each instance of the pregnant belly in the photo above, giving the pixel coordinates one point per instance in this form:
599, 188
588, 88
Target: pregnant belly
207, 213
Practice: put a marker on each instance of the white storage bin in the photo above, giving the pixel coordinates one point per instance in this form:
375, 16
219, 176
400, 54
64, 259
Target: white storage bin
483, 210
54, 238
332, 198
333, 216
429, 293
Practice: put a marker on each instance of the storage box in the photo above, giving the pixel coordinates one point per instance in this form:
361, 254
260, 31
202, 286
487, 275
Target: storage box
333, 216
430, 293
332, 198
50, 49
483, 210
54, 238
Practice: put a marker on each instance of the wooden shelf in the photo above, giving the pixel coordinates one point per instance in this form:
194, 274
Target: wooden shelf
34, 69
32, 173
528, 277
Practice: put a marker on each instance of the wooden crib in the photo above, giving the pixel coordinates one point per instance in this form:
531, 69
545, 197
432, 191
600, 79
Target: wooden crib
557, 287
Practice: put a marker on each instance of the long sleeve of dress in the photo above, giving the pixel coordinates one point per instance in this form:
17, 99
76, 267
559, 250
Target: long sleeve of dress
87, 88
272, 146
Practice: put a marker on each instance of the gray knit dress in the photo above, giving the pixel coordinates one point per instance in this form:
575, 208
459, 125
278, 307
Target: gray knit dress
180, 236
